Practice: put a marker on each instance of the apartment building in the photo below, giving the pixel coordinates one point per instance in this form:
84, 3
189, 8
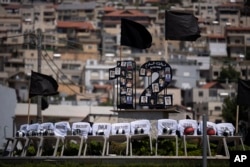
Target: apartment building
208, 99
74, 32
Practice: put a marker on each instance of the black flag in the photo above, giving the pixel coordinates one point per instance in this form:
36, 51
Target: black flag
181, 26
135, 35
41, 84
45, 103
243, 96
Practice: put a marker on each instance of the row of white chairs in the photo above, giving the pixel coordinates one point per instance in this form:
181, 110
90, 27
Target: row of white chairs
80, 132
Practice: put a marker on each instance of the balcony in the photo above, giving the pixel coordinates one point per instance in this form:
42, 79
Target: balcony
83, 34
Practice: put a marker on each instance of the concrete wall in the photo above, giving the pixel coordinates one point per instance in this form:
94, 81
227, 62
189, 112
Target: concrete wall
7, 110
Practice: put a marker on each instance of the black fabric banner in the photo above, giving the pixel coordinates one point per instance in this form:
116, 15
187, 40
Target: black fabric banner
243, 96
135, 35
181, 26
41, 84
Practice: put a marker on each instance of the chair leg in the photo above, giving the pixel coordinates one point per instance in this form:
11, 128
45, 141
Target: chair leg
242, 144
131, 148
40, 147
127, 146
208, 146
225, 147
56, 146
151, 147
176, 145
26, 145
85, 147
104, 147
80, 147
9, 141
156, 147
107, 150
185, 145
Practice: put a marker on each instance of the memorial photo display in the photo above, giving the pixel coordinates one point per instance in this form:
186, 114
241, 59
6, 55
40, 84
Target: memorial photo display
159, 75
154, 95
124, 72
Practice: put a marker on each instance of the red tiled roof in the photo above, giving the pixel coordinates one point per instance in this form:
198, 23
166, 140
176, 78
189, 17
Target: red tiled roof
209, 85
12, 6
230, 28
109, 8
217, 36
151, 1
77, 25
96, 86
126, 13
227, 4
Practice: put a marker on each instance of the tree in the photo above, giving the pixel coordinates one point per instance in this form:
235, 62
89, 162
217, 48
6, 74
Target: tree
228, 74
229, 109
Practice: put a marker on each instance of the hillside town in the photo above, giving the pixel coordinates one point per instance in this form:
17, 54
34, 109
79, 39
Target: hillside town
76, 42
78, 45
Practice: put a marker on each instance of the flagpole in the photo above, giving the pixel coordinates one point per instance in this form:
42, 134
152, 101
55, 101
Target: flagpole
28, 112
39, 65
120, 52
237, 119
166, 50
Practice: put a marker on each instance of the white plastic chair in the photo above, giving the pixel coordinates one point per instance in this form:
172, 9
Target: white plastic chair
19, 139
211, 132
100, 133
226, 131
61, 129
185, 124
140, 130
166, 129
120, 132
80, 131
32, 138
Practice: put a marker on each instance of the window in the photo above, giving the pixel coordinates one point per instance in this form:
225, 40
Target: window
217, 108
75, 78
212, 93
216, 73
63, 77
200, 94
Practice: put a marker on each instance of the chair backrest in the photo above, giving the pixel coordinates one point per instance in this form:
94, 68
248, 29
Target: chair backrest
211, 128
24, 128
81, 128
62, 128
101, 129
32, 129
187, 127
46, 129
225, 129
47, 126
140, 127
120, 128
167, 126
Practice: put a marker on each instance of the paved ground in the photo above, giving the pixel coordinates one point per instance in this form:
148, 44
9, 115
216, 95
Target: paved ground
118, 159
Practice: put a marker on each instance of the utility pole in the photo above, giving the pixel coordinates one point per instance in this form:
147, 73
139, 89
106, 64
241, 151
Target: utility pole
39, 64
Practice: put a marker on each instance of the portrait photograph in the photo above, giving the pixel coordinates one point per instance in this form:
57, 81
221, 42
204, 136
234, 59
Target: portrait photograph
144, 99
168, 100
142, 71
148, 92
124, 63
117, 71
160, 100
129, 91
155, 87
129, 99
112, 74
129, 74
123, 81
